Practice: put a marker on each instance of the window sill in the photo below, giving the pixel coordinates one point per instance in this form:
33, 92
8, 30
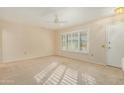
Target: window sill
82, 52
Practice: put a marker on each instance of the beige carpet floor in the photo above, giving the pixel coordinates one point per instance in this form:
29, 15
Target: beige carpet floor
57, 70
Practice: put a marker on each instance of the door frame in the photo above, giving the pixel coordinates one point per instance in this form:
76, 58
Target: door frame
108, 28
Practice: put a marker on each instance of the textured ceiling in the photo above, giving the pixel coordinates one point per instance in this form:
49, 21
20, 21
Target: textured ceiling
44, 16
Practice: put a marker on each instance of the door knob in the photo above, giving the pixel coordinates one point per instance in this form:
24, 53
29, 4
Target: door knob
109, 47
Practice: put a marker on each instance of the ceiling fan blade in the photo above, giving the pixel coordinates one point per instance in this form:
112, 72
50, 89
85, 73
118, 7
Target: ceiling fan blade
56, 20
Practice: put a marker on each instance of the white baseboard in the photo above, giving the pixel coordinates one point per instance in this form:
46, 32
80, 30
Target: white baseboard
22, 59
90, 61
28, 58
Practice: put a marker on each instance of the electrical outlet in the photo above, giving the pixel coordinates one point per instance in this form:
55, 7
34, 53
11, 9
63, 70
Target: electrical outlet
92, 55
25, 53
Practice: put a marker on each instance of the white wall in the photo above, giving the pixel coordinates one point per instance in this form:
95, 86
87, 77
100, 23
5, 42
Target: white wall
20, 42
96, 40
23, 42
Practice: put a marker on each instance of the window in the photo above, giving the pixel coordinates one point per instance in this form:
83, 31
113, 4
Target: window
76, 41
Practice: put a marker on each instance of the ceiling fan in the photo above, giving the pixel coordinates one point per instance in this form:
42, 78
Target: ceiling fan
57, 20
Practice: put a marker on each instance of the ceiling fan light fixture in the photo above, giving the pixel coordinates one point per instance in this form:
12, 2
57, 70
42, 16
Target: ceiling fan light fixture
57, 21
119, 10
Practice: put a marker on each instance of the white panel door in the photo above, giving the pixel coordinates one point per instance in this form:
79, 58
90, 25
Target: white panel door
115, 40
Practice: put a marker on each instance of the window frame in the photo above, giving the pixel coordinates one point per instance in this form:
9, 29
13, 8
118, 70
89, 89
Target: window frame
65, 34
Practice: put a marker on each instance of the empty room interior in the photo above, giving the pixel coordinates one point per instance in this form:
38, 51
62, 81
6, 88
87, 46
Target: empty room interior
62, 46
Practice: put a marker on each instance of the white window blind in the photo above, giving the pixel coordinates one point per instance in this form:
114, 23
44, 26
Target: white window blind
76, 41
